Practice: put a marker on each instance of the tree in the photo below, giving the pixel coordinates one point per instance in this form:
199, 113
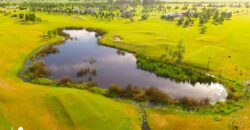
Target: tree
21, 16
208, 63
144, 17
131, 20
31, 17
180, 21
203, 30
186, 23
180, 51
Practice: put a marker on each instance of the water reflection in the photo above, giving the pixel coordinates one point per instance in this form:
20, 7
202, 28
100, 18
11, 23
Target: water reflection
81, 58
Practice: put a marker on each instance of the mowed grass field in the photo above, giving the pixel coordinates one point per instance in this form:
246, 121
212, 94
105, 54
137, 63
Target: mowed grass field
42, 107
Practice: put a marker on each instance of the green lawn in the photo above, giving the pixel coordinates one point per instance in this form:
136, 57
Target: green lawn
40, 107
145, 37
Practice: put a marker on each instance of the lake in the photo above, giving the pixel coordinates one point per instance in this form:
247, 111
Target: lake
82, 58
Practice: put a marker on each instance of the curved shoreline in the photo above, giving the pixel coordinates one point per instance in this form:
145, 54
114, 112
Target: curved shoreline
66, 36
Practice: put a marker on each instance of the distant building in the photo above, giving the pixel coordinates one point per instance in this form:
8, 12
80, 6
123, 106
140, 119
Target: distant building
199, 4
173, 15
90, 11
148, 2
217, 5
12, 7
126, 14
235, 5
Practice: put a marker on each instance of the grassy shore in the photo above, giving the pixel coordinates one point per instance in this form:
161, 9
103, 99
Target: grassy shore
40, 107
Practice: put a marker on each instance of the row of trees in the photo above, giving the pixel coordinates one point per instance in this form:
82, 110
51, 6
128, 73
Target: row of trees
185, 21
27, 17
32, 17
187, 18
153, 95
175, 72
175, 53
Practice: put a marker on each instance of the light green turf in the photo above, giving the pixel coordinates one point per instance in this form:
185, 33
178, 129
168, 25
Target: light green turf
40, 107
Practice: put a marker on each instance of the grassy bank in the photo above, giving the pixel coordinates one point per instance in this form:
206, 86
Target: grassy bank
76, 109
39, 107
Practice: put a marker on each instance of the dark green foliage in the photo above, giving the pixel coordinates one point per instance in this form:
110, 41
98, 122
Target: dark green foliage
114, 90
31, 17
43, 81
167, 17
154, 95
21, 16
14, 16
65, 81
188, 22
203, 30
52, 33
180, 51
144, 17
173, 71
38, 70
151, 94
50, 49
91, 84
180, 21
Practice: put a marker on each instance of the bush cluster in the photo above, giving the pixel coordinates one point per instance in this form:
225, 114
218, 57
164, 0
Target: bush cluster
173, 71
152, 95
38, 70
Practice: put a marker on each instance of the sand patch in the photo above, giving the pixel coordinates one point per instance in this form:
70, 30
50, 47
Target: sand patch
117, 38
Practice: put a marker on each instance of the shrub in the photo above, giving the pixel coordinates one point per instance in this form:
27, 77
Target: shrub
154, 95
50, 49
114, 90
139, 94
144, 17
186, 101
43, 81
203, 30
172, 71
21, 16
91, 84
14, 15
151, 94
65, 81
180, 21
38, 70
31, 17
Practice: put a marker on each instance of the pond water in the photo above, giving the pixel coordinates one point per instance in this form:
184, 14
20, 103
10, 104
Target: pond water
81, 58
